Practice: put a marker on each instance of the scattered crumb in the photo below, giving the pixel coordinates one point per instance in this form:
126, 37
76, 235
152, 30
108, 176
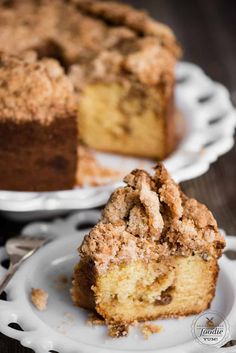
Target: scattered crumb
94, 319
39, 298
61, 281
148, 329
135, 323
118, 330
70, 318
92, 173
63, 278
67, 321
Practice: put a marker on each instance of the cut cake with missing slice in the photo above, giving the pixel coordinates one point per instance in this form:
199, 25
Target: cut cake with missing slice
120, 60
152, 255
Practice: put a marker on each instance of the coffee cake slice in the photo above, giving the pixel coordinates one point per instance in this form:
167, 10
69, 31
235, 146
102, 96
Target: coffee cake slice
38, 127
152, 255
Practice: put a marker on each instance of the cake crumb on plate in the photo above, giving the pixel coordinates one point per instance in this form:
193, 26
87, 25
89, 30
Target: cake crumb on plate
91, 172
39, 298
148, 329
94, 320
61, 282
117, 330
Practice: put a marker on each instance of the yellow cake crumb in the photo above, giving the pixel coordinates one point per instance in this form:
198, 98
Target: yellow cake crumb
117, 330
39, 298
95, 320
61, 282
149, 329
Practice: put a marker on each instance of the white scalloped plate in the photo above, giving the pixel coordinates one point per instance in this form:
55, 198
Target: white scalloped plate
62, 327
210, 120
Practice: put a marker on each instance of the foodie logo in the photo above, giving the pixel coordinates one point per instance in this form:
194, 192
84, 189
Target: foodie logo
211, 328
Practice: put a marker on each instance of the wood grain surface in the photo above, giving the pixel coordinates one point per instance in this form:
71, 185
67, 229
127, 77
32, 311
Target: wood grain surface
207, 31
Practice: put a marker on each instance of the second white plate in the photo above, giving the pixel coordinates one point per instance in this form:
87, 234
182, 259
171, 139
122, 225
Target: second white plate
62, 327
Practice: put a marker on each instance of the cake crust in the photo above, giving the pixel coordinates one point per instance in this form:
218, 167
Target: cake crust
37, 112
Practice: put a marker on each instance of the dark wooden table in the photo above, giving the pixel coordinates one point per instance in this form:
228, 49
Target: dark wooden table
207, 31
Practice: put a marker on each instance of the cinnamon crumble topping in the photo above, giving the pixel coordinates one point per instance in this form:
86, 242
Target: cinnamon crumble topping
137, 20
47, 93
98, 38
151, 218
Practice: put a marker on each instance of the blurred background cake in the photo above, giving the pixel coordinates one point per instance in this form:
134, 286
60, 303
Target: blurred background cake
122, 66
126, 82
38, 128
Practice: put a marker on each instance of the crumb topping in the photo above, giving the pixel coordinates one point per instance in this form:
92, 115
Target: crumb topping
36, 90
61, 282
137, 20
39, 298
169, 192
149, 200
151, 218
100, 39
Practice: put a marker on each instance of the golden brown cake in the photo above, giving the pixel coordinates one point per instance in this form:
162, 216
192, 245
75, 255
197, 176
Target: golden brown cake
152, 255
38, 127
121, 62
126, 89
